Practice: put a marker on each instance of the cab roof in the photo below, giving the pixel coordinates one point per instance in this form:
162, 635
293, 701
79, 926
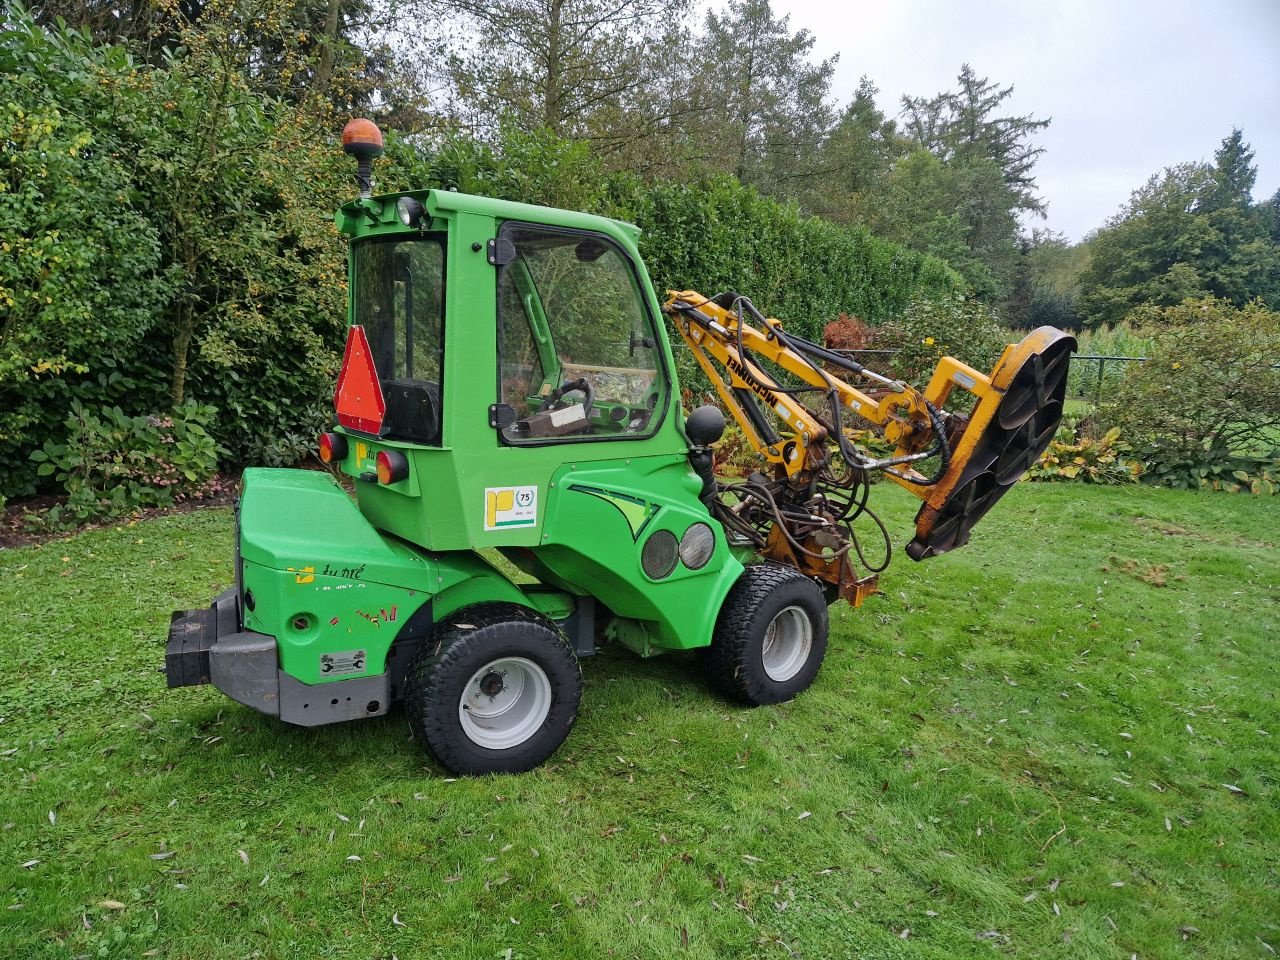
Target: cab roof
375, 214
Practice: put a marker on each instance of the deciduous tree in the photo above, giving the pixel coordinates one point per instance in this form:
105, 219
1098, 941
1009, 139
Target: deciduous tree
582, 69
1190, 231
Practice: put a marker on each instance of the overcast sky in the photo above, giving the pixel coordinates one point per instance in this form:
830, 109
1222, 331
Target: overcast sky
1132, 86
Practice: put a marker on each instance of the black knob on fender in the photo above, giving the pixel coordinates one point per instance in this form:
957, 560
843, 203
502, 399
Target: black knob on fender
704, 426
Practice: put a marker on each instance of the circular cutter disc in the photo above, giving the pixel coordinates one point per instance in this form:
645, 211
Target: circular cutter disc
1042, 379
958, 515
1024, 445
1018, 433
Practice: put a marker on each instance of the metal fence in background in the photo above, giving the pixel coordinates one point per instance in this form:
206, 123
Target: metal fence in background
1098, 382
1079, 384
1084, 382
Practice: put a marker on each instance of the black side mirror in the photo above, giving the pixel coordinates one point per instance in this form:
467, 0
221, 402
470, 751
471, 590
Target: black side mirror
589, 250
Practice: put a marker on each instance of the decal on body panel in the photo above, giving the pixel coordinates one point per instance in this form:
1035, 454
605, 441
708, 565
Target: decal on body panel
507, 507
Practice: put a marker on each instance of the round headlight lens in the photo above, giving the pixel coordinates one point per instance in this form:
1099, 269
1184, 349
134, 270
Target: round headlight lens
410, 211
697, 545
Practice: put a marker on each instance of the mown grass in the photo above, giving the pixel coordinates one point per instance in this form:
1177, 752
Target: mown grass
1016, 750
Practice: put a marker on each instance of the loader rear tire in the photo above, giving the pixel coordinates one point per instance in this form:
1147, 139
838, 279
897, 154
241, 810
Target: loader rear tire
494, 688
771, 636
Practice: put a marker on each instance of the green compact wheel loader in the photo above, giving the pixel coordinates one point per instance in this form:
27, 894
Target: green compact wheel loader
507, 388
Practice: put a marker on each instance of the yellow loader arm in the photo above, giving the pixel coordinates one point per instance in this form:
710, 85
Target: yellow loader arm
959, 465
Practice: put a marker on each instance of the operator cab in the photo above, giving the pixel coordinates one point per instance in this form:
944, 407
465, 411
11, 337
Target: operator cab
578, 355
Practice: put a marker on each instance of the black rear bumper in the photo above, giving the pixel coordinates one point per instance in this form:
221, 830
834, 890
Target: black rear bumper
192, 633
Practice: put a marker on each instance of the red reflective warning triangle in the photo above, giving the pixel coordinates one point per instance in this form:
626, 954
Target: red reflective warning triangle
358, 398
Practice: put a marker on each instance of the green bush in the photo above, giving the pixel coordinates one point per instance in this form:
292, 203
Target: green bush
1209, 384
168, 238
80, 262
112, 463
1213, 467
716, 234
931, 328
1087, 459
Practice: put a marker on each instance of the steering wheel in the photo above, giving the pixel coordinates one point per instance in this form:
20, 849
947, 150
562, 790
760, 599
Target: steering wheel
581, 385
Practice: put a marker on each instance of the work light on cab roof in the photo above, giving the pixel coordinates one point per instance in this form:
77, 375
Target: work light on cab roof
410, 211
507, 387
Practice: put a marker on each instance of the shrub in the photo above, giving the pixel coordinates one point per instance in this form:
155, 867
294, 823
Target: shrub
113, 463
1213, 468
1208, 389
1087, 459
930, 329
849, 333
734, 456
716, 234
80, 279
159, 242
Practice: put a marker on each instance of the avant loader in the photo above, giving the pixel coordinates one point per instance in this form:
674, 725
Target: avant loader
507, 391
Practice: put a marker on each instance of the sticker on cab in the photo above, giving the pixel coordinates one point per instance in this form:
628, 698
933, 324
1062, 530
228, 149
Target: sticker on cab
510, 507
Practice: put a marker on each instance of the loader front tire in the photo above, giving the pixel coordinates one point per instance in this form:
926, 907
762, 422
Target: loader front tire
494, 688
770, 637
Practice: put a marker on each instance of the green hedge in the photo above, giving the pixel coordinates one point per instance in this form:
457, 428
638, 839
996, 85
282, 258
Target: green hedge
717, 234
134, 199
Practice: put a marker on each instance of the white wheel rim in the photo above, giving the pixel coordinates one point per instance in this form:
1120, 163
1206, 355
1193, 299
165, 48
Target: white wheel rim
787, 643
505, 703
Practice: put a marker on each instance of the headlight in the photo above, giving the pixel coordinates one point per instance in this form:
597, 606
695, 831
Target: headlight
410, 211
697, 545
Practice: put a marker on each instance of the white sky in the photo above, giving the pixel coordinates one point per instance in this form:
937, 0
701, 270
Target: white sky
1132, 86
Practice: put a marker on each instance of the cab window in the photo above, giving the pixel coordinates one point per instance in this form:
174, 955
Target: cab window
578, 347
399, 300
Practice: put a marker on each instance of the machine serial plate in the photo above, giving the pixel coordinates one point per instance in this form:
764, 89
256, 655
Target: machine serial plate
342, 662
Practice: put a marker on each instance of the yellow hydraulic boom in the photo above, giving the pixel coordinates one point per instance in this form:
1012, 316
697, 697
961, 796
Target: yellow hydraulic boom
958, 464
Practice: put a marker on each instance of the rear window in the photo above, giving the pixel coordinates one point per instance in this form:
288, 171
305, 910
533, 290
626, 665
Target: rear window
399, 300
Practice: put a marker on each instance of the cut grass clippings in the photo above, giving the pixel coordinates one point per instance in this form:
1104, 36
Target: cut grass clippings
1057, 742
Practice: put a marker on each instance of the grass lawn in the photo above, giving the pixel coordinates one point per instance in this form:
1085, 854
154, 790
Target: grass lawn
1021, 749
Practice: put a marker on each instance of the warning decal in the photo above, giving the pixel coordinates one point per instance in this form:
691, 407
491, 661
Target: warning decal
508, 507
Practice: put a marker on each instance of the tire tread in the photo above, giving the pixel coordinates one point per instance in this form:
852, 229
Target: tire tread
432, 708
733, 659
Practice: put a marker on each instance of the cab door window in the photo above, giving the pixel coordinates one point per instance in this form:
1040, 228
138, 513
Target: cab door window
578, 347
399, 300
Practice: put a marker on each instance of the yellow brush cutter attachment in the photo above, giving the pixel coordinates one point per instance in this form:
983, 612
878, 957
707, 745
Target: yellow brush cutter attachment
803, 422
1016, 416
